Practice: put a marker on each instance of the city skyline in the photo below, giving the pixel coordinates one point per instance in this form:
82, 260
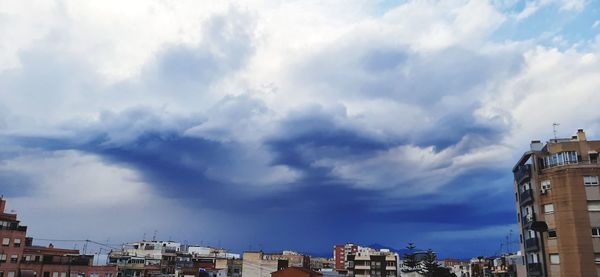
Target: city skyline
287, 124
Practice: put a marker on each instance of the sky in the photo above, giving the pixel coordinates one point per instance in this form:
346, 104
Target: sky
286, 124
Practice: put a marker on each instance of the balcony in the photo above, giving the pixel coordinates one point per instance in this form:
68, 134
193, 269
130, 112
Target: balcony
534, 269
527, 220
526, 197
74, 262
531, 244
15, 227
522, 173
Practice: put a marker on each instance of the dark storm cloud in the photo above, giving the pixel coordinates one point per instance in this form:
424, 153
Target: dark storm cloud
218, 153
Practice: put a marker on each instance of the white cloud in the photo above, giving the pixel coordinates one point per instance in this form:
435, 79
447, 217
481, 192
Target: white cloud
77, 69
69, 188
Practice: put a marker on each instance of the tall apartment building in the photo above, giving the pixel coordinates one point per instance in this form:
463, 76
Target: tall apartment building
20, 258
558, 205
372, 263
340, 254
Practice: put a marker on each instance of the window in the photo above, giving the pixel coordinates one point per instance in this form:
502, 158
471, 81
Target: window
551, 233
554, 259
594, 205
14, 258
562, 158
5, 241
11, 274
17, 242
1, 273
64, 274
596, 232
549, 208
2, 258
54, 274
545, 185
590, 180
597, 258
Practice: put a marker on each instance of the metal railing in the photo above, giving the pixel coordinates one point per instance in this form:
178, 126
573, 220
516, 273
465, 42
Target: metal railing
526, 196
522, 173
531, 244
527, 219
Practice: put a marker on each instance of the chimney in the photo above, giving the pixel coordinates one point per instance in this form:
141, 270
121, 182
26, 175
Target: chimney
581, 135
2, 205
536, 145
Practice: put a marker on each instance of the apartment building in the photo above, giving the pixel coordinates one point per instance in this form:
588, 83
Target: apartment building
340, 254
372, 263
558, 204
20, 258
145, 258
214, 261
259, 264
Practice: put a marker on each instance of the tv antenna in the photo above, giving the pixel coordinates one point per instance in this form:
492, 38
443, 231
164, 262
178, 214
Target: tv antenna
554, 126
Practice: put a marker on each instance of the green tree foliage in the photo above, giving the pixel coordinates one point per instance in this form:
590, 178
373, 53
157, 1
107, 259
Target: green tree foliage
430, 264
410, 263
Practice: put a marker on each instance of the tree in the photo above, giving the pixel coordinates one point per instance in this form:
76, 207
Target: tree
430, 264
409, 263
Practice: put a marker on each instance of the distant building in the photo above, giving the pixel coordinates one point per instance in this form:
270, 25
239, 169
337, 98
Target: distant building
557, 197
145, 258
296, 272
322, 264
215, 262
461, 268
340, 254
20, 258
372, 263
211, 251
259, 264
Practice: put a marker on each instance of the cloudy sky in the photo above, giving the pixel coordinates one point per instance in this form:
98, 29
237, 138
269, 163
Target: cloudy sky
286, 124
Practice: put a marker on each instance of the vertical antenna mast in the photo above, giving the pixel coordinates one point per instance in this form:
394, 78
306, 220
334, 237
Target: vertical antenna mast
554, 125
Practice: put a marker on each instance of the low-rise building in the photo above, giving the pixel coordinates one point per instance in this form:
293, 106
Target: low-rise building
461, 268
259, 264
296, 272
145, 258
212, 262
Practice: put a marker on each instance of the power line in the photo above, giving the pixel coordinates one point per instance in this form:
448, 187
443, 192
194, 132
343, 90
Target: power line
113, 246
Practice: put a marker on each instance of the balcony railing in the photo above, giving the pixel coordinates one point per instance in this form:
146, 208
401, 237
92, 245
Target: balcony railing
80, 262
522, 173
527, 219
534, 269
526, 197
531, 244
14, 228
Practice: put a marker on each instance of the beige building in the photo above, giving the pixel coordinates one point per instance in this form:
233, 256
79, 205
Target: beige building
558, 204
259, 264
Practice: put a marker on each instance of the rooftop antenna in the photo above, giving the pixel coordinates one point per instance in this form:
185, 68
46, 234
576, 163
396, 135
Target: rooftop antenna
554, 125
154, 236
